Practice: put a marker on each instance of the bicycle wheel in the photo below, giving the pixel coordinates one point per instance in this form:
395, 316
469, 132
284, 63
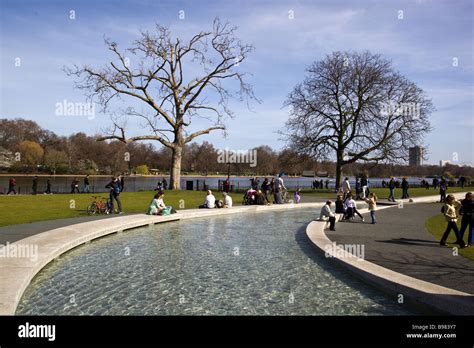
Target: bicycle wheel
92, 209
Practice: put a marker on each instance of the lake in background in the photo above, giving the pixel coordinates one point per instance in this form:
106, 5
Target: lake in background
62, 184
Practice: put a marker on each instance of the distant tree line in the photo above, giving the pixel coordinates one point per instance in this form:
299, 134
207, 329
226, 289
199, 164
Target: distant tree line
44, 151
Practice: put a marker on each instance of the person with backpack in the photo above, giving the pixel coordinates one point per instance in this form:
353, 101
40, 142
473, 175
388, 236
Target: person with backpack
115, 190
451, 215
467, 220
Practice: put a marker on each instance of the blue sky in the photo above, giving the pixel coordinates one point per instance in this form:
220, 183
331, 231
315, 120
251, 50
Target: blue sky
422, 46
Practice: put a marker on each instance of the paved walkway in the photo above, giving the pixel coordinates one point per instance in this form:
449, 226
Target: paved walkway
14, 233
400, 242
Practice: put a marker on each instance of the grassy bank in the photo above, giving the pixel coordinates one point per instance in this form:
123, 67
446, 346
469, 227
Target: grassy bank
437, 225
28, 208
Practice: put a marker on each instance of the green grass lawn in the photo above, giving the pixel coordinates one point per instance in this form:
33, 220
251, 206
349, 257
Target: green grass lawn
437, 225
28, 208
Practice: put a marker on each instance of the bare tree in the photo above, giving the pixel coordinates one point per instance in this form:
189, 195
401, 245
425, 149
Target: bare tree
356, 107
173, 95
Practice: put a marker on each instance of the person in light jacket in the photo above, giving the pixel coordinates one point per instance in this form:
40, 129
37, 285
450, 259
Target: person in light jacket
450, 211
346, 188
327, 214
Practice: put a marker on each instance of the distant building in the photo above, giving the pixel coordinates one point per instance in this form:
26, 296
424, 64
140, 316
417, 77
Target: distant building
443, 163
308, 173
415, 156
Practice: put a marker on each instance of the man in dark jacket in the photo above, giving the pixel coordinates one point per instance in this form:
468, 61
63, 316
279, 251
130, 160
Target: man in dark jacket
467, 217
115, 190
405, 188
35, 185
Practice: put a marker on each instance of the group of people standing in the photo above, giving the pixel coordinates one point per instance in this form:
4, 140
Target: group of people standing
362, 190
319, 184
261, 195
393, 184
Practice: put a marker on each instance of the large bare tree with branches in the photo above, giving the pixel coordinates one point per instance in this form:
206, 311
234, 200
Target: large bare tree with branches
356, 107
175, 80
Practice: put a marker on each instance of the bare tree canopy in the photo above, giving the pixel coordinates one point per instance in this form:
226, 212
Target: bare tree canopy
178, 80
356, 107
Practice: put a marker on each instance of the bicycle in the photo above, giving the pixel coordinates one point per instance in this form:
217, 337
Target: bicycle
98, 206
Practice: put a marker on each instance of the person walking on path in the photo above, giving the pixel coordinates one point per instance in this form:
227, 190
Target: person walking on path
467, 220
450, 211
35, 185
372, 202
87, 185
75, 186
346, 188
164, 183
405, 186
391, 187
12, 186
48, 187
327, 214
115, 190
462, 181
443, 187
364, 182
122, 182
358, 189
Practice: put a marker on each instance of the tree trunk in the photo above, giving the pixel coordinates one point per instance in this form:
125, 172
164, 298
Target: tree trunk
175, 175
338, 173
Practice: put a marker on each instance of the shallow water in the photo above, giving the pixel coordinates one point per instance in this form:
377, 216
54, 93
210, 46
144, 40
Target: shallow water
258, 264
